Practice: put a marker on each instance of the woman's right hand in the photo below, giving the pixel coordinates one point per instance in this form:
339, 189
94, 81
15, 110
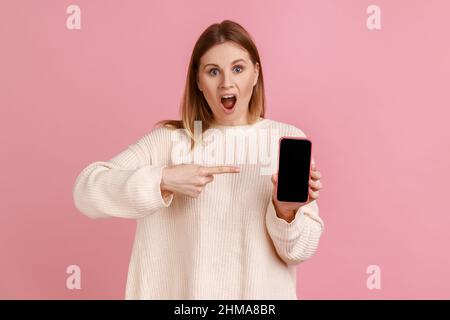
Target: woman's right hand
190, 179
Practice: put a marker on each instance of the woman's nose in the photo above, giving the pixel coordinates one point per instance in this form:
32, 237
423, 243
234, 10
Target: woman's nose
226, 81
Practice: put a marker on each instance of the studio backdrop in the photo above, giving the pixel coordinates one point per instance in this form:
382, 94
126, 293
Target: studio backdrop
367, 81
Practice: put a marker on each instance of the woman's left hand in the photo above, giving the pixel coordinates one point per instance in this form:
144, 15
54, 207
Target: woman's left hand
287, 210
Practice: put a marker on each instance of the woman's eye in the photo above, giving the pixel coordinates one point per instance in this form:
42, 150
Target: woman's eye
213, 69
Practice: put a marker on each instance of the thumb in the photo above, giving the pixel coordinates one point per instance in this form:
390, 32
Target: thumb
274, 178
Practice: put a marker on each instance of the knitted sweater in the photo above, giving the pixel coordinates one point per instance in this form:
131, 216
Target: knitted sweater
227, 243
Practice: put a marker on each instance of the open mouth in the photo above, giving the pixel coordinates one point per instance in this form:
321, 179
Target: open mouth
228, 102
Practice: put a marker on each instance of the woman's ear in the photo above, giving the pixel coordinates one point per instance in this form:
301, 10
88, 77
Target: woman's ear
256, 74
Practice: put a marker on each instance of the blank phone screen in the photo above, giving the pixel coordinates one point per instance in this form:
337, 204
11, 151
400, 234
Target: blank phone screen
293, 170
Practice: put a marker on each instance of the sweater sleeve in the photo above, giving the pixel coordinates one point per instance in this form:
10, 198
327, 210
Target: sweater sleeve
122, 187
297, 240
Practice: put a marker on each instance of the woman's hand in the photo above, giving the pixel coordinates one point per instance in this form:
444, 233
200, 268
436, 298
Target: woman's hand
287, 210
190, 179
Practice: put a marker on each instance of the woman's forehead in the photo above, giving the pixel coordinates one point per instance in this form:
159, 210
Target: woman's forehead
225, 52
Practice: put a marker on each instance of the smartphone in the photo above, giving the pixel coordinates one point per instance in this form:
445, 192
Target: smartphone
294, 164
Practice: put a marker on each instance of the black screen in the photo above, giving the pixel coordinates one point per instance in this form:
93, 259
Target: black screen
293, 170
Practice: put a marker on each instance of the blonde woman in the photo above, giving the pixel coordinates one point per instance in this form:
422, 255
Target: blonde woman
209, 228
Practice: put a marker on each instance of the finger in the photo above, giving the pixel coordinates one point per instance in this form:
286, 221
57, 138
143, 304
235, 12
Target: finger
274, 189
316, 175
274, 178
207, 179
315, 185
313, 194
219, 169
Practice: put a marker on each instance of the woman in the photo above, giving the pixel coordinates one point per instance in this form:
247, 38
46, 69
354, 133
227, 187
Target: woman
208, 230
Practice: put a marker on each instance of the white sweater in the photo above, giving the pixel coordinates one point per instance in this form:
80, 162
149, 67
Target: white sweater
227, 243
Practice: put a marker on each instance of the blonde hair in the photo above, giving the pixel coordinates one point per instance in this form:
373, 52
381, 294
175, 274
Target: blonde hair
194, 106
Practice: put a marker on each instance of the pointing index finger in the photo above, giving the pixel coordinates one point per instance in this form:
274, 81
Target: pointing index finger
220, 169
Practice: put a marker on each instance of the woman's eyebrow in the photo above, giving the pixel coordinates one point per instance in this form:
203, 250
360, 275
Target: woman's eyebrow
213, 64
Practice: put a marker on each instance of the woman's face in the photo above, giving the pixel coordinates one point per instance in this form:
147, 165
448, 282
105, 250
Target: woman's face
227, 69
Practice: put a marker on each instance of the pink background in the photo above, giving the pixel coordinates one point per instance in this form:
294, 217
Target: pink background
375, 104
